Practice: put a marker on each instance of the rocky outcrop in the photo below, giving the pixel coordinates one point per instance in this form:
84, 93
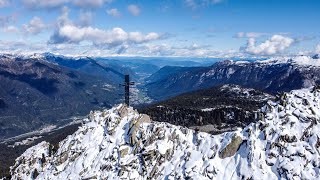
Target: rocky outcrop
231, 148
37, 157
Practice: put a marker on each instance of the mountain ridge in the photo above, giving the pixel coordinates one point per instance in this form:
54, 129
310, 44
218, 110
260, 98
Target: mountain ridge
271, 76
35, 93
121, 143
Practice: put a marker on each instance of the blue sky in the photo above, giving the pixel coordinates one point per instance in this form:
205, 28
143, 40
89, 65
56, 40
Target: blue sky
187, 28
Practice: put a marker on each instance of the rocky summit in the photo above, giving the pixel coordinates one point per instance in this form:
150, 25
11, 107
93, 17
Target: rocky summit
120, 143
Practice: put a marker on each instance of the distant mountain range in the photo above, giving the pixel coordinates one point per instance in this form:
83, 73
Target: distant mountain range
36, 91
272, 76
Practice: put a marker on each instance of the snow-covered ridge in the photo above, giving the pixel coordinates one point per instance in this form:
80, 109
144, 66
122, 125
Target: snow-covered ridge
296, 60
299, 60
32, 55
121, 143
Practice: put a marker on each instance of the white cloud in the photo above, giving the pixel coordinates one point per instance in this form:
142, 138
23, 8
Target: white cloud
35, 26
272, 46
138, 37
90, 3
134, 9
46, 4
249, 34
67, 32
318, 49
147, 49
85, 18
113, 12
4, 3
10, 29
110, 38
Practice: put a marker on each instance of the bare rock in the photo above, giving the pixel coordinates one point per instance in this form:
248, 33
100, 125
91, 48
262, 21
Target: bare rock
231, 148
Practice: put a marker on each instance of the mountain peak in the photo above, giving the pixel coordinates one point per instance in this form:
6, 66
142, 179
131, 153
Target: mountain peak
121, 143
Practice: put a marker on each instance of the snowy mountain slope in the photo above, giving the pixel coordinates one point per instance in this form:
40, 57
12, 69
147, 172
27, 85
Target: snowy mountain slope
121, 143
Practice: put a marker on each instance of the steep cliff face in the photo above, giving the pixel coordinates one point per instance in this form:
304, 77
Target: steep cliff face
121, 143
272, 76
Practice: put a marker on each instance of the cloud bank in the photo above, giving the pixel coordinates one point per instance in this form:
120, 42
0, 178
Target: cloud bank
113, 37
276, 44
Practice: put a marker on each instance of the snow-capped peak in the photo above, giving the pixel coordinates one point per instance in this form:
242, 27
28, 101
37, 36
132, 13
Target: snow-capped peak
121, 143
299, 60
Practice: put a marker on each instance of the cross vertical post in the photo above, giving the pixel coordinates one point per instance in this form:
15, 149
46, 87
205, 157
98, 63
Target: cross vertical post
127, 85
126, 89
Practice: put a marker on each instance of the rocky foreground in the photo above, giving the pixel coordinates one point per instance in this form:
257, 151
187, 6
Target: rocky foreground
120, 143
